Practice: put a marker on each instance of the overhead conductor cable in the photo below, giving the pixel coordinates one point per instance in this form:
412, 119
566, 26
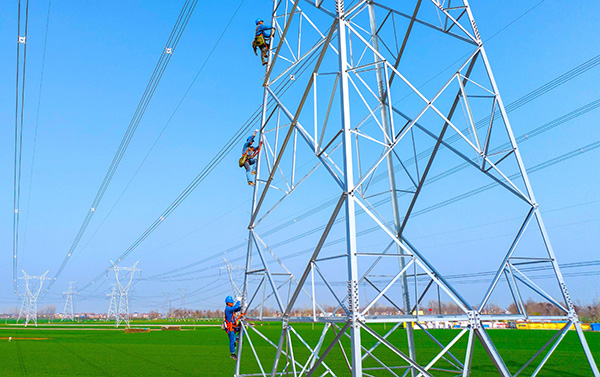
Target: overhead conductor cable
161, 66
19, 112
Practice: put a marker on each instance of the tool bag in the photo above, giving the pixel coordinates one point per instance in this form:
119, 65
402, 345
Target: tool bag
242, 160
258, 42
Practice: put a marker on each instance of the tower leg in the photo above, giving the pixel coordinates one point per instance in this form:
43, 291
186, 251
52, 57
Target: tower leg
388, 133
586, 349
491, 350
354, 304
469, 355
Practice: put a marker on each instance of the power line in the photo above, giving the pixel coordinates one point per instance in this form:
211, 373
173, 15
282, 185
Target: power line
467, 278
576, 152
35, 134
161, 66
187, 191
555, 86
513, 21
467, 54
522, 138
553, 161
137, 170
226, 149
519, 102
489, 38
19, 108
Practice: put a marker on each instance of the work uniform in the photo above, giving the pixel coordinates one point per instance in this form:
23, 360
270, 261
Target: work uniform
264, 30
250, 160
232, 319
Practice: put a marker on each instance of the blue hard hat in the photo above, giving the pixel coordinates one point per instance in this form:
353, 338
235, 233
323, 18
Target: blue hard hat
229, 300
258, 20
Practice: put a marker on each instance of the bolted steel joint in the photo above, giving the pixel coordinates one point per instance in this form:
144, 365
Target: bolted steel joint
339, 7
353, 301
474, 319
476, 30
572, 314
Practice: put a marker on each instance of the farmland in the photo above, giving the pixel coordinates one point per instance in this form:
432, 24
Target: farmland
88, 350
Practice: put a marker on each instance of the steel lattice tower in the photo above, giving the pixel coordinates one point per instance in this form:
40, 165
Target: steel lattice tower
69, 310
24, 307
112, 306
232, 275
29, 307
126, 274
345, 91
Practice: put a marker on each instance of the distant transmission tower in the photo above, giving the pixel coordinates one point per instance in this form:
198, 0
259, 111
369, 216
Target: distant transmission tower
112, 306
231, 271
69, 311
123, 274
182, 294
23, 309
32, 291
385, 112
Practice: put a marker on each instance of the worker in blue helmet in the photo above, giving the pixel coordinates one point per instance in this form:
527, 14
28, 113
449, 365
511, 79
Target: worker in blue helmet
248, 159
232, 322
262, 39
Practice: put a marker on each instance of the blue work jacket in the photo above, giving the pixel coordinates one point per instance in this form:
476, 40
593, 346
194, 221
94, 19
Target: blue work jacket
229, 310
265, 30
248, 144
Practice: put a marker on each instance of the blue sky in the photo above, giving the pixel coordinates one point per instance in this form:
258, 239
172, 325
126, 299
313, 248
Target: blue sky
98, 61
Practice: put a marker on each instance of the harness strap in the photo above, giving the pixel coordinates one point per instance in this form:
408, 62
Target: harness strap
257, 150
234, 321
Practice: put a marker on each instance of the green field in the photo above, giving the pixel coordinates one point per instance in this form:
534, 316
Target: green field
203, 351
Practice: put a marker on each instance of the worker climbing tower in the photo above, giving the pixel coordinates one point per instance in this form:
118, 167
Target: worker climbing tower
387, 115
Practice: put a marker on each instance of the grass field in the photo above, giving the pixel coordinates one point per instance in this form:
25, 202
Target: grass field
55, 350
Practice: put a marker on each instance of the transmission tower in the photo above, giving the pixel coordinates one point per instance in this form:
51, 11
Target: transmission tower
123, 277
233, 273
182, 295
32, 291
360, 103
69, 311
112, 306
24, 305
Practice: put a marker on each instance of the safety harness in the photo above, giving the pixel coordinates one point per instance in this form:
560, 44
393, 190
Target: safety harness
259, 40
249, 153
229, 326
